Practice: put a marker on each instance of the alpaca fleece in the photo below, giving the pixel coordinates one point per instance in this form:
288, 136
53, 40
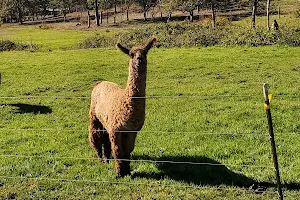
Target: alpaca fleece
116, 114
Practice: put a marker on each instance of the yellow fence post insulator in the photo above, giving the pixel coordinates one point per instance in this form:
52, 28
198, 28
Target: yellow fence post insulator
267, 106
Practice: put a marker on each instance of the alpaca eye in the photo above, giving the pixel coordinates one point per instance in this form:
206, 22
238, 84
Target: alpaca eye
131, 55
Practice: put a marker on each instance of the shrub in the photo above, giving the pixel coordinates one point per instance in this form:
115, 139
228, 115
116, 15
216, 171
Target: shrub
44, 26
97, 41
296, 13
196, 34
7, 45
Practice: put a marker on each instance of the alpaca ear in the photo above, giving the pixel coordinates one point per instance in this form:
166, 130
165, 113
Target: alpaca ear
150, 44
125, 50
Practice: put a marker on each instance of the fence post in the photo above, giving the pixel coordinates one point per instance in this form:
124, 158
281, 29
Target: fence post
272, 139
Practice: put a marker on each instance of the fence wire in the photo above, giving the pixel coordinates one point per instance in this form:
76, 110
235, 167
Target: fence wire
142, 131
179, 96
167, 132
141, 160
133, 160
135, 183
146, 97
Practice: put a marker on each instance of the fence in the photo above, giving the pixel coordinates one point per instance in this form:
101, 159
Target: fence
133, 160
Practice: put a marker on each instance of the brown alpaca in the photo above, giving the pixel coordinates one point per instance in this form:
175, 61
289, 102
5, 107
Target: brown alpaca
116, 114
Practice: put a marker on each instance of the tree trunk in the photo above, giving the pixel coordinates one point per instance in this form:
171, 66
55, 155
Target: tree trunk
127, 14
54, 13
254, 11
145, 14
20, 15
192, 16
169, 17
268, 14
65, 16
145, 11
213, 14
115, 11
107, 16
89, 19
97, 12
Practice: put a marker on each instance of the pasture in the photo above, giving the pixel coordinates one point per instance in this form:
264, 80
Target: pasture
206, 107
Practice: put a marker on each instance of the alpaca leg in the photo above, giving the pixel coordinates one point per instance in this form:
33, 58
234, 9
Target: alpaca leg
128, 140
107, 147
117, 150
95, 135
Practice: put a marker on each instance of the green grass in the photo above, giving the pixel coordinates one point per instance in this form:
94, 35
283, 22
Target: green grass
171, 72
49, 38
218, 117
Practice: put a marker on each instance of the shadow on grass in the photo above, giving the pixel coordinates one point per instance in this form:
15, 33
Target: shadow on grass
214, 174
28, 108
199, 174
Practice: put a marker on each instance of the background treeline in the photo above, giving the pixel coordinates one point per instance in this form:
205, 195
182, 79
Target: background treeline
24, 10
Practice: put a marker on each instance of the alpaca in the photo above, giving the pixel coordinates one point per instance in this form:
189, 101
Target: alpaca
116, 114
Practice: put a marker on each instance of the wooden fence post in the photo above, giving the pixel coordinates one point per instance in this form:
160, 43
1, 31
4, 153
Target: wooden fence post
272, 138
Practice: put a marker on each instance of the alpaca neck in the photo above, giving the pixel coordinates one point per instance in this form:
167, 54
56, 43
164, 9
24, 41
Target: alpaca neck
136, 83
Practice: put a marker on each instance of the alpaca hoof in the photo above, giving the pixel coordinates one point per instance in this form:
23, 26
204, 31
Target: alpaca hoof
125, 171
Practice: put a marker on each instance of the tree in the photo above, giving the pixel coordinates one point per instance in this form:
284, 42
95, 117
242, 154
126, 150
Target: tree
188, 6
254, 12
219, 5
43, 5
65, 6
33, 7
97, 12
168, 6
146, 5
268, 14
127, 4
255, 5
14, 9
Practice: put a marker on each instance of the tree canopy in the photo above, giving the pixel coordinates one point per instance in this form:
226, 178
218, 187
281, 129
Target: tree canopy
17, 9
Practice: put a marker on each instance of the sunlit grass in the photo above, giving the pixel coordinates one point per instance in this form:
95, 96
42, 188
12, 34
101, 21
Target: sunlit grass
48, 37
223, 123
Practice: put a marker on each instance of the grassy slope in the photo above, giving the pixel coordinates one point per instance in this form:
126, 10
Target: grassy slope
49, 39
185, 72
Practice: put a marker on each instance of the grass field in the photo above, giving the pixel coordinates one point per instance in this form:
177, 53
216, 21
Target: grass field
210, 111
50, 37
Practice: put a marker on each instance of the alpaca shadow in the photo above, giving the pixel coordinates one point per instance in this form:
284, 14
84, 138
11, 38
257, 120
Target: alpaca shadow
21, 108
213, 174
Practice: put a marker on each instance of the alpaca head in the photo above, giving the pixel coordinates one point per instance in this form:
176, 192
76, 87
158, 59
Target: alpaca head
138, 55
